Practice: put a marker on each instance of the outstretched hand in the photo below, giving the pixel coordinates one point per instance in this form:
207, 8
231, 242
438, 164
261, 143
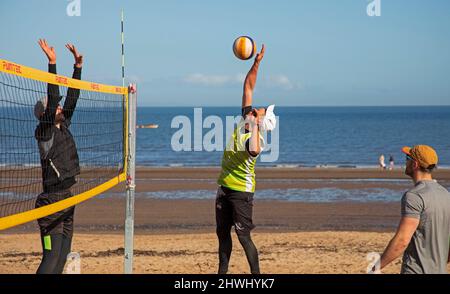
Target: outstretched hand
260, 55
48, 50
78, 57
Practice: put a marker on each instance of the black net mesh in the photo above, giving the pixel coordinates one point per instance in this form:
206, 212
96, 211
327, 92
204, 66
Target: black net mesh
97, 127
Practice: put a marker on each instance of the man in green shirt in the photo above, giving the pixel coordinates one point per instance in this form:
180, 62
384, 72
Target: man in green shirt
423, 234
234, 201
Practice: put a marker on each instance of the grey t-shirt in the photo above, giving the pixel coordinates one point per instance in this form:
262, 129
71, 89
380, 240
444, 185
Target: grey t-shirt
427, 253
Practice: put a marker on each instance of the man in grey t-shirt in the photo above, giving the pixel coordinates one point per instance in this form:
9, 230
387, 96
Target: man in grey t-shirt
423, 234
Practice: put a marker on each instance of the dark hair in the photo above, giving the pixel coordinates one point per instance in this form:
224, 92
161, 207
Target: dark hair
429, 169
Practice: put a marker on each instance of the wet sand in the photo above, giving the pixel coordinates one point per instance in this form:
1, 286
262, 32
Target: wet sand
154, 216
167, 179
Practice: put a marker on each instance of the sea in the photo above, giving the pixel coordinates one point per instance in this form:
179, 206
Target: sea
307, 136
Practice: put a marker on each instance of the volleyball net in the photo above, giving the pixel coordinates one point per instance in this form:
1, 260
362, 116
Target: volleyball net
98, 126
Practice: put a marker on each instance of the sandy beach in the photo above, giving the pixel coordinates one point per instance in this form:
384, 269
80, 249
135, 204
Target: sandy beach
177, 236
303, 252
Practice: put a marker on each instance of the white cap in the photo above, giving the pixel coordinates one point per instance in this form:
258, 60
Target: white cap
40, 106
270, 120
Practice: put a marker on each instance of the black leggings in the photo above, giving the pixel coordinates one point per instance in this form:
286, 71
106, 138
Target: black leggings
226, 246
55, 249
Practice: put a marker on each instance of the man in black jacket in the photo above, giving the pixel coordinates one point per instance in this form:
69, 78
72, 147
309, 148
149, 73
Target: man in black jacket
60, 164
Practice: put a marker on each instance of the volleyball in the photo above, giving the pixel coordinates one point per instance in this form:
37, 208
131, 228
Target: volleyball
244, 47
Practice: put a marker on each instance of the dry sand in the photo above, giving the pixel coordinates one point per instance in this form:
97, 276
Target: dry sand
302, 252
281, 253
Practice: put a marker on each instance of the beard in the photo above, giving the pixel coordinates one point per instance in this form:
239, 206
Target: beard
59, 118
409, 171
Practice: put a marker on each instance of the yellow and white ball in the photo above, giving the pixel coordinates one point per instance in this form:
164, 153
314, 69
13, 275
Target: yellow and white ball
244, 47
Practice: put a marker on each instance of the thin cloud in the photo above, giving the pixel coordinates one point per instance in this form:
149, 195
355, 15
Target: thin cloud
276, 81
213, 80
280, 81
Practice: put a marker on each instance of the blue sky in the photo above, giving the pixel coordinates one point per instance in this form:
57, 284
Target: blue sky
321, 53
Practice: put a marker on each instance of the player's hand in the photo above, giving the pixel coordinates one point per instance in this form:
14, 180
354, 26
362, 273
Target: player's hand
260, 55
78, 57
48, 50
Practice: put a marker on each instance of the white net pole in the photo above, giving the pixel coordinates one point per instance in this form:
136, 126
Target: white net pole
129, 220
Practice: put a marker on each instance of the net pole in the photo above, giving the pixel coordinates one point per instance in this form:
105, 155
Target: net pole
123, 49
130, 189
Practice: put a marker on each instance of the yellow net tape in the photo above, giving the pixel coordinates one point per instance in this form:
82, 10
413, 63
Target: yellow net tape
24, 217
39, 75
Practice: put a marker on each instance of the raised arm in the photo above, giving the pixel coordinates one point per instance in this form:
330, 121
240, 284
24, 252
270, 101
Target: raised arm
53, 97
250, 80
73, 94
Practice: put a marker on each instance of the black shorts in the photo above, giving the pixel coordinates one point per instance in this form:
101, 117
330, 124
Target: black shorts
60, 222
234, 208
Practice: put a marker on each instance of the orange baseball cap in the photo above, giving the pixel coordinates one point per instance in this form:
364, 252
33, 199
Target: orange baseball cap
423, 154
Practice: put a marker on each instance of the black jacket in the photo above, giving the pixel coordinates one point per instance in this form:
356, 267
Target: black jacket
58, 152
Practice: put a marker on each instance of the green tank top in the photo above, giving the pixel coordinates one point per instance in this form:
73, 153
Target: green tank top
238, 166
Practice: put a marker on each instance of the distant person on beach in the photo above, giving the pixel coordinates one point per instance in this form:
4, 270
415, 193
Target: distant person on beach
391, 162
423, 234
59, 162
381, 162
234, 201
